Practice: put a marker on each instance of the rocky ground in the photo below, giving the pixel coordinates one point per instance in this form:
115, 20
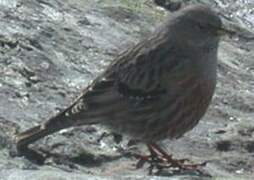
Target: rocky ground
50, 50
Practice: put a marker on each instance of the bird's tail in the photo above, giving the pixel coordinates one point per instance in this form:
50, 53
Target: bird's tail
78, 113
53, 125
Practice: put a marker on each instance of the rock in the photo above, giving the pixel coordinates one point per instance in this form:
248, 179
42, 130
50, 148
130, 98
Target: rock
51, 50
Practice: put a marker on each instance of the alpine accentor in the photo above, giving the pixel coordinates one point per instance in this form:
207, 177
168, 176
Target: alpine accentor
159, 88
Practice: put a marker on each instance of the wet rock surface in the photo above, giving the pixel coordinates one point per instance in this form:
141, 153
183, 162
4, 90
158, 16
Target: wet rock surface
51, 50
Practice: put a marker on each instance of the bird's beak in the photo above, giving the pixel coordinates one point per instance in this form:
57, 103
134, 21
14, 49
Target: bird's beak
222, 31
225, 31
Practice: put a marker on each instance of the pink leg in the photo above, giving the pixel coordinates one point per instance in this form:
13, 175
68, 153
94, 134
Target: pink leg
159, 159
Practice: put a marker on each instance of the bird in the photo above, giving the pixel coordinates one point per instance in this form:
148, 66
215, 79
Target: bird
157, 89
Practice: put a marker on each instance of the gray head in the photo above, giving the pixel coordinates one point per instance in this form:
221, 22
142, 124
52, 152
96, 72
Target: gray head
195, 32
196, 25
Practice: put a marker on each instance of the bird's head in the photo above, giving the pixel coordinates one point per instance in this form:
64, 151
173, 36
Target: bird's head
197, 25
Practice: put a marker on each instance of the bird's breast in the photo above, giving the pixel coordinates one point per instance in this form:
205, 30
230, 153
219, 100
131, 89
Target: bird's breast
191, 105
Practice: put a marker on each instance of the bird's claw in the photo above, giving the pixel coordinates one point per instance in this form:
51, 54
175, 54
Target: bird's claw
160, 163
159, 159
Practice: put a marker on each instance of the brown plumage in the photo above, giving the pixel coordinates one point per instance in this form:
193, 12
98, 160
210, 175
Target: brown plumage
158, 89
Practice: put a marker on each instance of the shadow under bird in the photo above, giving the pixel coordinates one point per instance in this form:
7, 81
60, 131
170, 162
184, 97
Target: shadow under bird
159, 88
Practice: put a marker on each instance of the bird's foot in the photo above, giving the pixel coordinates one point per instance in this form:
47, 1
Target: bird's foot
159, 160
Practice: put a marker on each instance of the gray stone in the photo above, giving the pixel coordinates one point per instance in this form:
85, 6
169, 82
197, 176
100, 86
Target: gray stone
51, 50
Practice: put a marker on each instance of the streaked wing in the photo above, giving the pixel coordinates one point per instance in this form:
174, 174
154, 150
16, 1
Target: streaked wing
132, 83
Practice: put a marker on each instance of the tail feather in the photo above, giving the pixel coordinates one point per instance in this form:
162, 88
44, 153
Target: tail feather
31, 135
86, 109
35, 133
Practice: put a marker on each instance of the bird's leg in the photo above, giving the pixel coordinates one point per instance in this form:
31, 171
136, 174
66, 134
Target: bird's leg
153, 159
167, 161
159, 159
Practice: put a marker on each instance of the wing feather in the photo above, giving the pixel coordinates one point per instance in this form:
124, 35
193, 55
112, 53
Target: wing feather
134, 78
